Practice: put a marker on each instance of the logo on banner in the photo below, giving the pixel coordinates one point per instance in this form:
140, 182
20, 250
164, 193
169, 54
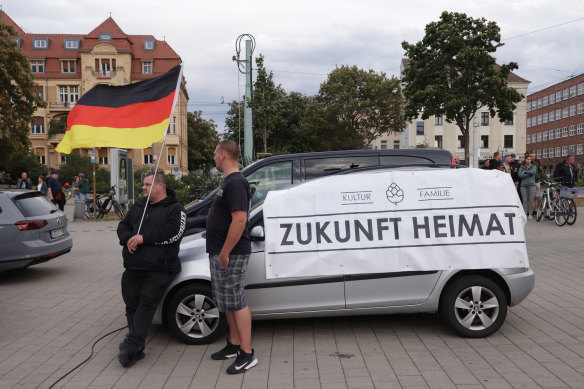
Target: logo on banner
358, 197
394, 194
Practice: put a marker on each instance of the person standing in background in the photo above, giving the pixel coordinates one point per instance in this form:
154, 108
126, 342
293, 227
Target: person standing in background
24, 182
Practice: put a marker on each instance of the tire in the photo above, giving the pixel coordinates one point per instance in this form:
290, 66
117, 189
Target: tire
541, 205
119, 209
561, 211
467, 318
573, 212
89, 212
192, 315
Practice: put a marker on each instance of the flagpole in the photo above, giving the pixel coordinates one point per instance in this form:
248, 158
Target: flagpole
177, 92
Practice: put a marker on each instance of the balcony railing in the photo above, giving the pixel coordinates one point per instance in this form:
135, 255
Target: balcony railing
64, 105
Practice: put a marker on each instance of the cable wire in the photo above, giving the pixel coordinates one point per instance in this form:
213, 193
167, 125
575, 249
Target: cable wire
542, 29
88, 358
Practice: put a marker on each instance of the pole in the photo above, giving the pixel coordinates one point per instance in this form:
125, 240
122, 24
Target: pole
94, 202
247, 123
475, 142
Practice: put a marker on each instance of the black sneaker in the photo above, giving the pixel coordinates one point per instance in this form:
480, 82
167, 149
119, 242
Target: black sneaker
243, 362
126, 360
229, 351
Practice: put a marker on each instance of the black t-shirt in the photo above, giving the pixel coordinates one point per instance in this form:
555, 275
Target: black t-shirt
234, 195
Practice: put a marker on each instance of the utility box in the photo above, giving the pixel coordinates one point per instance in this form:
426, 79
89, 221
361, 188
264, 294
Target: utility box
122, 175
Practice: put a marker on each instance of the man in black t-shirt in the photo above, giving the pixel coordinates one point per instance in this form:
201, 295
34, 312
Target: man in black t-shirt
229, 248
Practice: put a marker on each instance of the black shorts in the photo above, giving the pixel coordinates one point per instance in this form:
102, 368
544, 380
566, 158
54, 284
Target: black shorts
227, 284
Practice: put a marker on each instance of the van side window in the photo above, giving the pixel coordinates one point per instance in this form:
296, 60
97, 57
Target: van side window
267, 178
388, 160
319, 167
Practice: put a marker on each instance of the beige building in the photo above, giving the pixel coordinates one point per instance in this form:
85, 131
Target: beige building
67, 65
506, 137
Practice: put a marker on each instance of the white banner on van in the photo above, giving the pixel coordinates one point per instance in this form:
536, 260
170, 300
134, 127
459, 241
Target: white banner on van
394, 221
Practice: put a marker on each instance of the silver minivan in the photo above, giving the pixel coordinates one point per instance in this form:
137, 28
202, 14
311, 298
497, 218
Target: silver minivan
473, 302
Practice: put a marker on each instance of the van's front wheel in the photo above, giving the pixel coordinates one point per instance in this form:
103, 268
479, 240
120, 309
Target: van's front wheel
474, 306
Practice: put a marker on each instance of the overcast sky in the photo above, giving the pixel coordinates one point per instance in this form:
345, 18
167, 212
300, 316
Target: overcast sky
303, 40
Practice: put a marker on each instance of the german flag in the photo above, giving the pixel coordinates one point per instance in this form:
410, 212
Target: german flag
129, 117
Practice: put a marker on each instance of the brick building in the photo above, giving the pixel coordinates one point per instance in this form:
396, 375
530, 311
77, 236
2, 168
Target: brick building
555, 122
67, 65
506, 137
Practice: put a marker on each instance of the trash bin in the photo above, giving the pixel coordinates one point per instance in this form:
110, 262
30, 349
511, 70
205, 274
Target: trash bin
79, 210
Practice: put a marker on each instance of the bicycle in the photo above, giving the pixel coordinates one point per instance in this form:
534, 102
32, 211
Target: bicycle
552, 205
569, 194
104, 201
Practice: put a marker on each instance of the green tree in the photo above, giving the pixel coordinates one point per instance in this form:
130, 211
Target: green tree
203, 138
18, 101
76, 163
266, 104
452, 73
360, 105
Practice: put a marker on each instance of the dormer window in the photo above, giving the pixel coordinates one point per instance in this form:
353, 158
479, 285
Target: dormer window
17, 40
149, 44
71, 43
40, 43
105, 37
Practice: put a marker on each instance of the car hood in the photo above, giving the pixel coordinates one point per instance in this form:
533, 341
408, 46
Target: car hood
193, 248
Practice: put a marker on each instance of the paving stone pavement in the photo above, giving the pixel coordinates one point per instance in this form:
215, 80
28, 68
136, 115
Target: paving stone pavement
51, 314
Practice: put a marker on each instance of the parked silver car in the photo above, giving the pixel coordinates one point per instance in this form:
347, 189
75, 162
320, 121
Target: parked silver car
32, 229
472, 301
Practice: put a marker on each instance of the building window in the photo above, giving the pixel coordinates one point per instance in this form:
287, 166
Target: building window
564, 133
545, 118
545, 153
558, 133
573, 91
396, 144
533, 105
37, 125
533, 137
461, 141
37, 66
579, 129
484, 118
71, 43
149, 44
105, 37
103, 160
545, 101
545, 136
558, 151
419, 128
528, 106
171, 159
572, 149
572, 130
69, 66
17, 40
579, 149
539, 119
39, 89
68, 94
538, 154
41, 159
580, 108
508, 122
528, 139
551, 150
552, 116
539, 136
552, 99
484, 141
148, 160
558, 114
559, 96
565, 113
40, 43
63, 159
383, 145
572, 110
564, 151
528, 122
580, 89
147, 67
508, 141
565, 94
551, 133
105, 66
539, 103
438, 121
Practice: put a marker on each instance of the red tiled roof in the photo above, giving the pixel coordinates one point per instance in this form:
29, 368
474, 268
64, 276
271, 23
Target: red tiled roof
108, 25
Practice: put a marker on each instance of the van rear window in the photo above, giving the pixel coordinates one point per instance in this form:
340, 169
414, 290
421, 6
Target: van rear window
319, 167
34, 204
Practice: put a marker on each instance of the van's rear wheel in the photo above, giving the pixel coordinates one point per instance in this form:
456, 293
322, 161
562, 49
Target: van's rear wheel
192, 315
474, 306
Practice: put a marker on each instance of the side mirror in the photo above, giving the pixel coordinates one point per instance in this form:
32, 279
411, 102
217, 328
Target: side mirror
257, 233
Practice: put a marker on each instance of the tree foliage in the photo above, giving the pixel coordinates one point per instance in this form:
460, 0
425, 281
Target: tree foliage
358, 106
452, 72
18, 101
203, 138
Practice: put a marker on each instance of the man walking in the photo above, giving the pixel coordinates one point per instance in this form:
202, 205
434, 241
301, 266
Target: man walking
150, 259
56, 196
229, 248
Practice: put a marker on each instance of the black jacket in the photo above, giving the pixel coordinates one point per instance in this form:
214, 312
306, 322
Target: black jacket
162, 230
568, 174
